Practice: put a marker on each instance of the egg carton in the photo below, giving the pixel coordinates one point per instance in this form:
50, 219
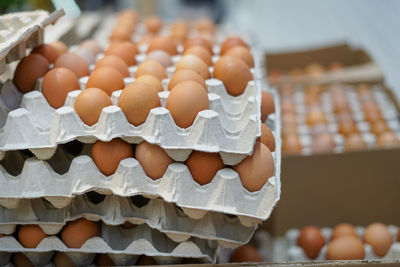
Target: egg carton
115, 210
296, 253
124, 246
22, 30
229, 127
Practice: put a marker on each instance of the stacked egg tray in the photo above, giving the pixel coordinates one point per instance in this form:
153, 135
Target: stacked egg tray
387, 107
21, 31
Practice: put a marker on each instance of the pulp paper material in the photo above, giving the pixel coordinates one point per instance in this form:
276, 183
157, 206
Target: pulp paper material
123, 245
115, 210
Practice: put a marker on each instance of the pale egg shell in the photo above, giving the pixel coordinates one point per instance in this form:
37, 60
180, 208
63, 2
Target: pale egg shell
56, 85
73, 62
345, 248
151, 67
267, 137
89, 104
164, 43
186, 75
154, 159
152, 81
161, 57
114, 62
48, 51
204, 166
201, 52
20, 260
243, 53
125, 50
323, 143
136, 101
311, 241
232, 42
76, 233
103, 260
245, 253
194, 63
107, 79
343, 229
29, 236
198, 41
153, 24
61, 259
185, 101
255, 170
92, 46
267, 105
107, 155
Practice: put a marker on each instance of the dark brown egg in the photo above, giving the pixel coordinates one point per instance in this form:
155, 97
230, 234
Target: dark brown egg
48, 51
246, 253
311, 240
20, 260
61, 259
267, 137
29, 236
76, 233
29, 70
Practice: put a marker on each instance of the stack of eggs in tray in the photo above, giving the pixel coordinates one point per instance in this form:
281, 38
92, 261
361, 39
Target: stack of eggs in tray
117, 152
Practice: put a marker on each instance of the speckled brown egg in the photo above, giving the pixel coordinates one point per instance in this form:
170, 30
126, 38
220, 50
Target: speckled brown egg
201, 52
345, 248
76, 233
311, 240
151, 67
243, 53
48, 51
267, 105
186, 75
90, 103
232, 42
30, 69
152, 81
166, 44
343, 229
245, 253
74, 63
267, 137
29, 236
194, 63
114, 62
204, 166
125, 50
107, 79
198, 41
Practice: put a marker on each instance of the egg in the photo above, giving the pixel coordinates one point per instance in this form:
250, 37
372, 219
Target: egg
198, 41
316, 116
89, 104
61, 259
107, 155
234, 73
29, 69
323, 143
312, 99
125, 50
153, 24
287, 106
344, 116
347, 127
48, 51
186, 75
200, 52
378, 127
114, 62
146, 260
185, 101
267, 105
311, 240
121, 33
336, 66
161, 57
136, 101
364, 92
204, 166
179, 35
289, 119
76, 233
194, 63
56, 85
154, 159
355, 142
146, 40
92, 46
204, 25
274, 76
267, 137
387, 139
343, 229
86, 55
20, 260
255, 170
151, 67
152, 81
296, 74
291, 144
107, 79
74, 63
346, 247
372, 112
29, 236
232, 42
319, 129
164, 43
315, 70
60, 47
243, 53
245, 253
103, 260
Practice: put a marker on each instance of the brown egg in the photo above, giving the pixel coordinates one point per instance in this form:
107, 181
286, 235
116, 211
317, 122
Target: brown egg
319, 129
90, 103
114, 62
204, 25
107, 155
179, 35
186, 75
194, 63
20, 260
234, 73
107, 79
372, 112
121, 33
136, 101
291, 144
125, 50
185, 101
355, 142
377, 235
204, 166
347, 127
315, 70
76, 233
146, 39
201, 52
56, 85
146, 260
153, 24
74, 63
323, 143
311, 240
245, 253
267, 137
378, 127
387, 139
344, 116
274, 76
343, 229
92, 46
312, 99
255, 170
152, 81
166, 44
289, 119
345, 248
316, 116
151, 67
296, 74
340, 105
60, 47
103, 260
289, 129
287, 106
198, 41
336, 66
154, 159
243, 53
267, 105
364, 92
48, 51
30, 69
29, 236
61, 259
232, 42
161, 57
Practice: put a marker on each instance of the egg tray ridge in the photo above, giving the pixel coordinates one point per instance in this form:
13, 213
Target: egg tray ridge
124, 246
115, 210
40, 128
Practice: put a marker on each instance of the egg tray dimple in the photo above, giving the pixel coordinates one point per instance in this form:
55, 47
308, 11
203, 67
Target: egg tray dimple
296, 253
124, 246
115, 210
22, 30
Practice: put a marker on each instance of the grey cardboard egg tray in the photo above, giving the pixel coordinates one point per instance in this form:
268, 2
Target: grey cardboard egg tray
40, 128
296, 253
22, 30
124, 246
